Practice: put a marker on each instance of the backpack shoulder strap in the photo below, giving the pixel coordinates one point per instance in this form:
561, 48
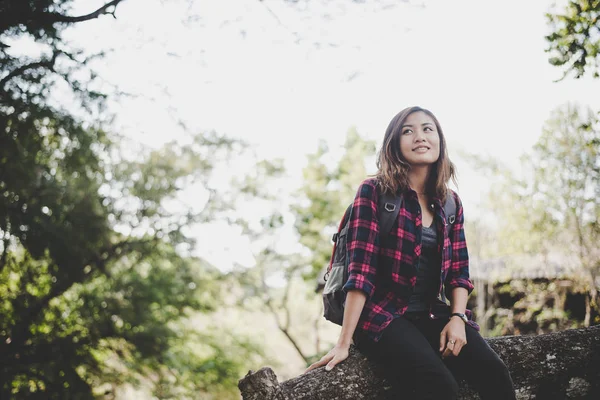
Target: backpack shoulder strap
343, 228
388, 209
450, 211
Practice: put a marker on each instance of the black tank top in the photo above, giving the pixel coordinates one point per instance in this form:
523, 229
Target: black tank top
428, 273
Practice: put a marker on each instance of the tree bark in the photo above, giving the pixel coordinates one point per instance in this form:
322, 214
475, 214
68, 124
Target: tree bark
561, 365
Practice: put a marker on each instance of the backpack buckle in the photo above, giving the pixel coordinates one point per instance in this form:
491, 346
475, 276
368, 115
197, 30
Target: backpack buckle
389, 207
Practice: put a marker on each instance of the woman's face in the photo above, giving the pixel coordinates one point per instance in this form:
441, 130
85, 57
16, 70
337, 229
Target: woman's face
419, 140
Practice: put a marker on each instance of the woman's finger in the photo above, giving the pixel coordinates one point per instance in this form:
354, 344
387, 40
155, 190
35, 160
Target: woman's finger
324, 360
456, 349
459, 345
443, 339
451, 348
336, 360
447, 352
316, 365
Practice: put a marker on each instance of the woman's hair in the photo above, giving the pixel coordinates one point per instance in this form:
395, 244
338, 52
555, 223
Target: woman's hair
392, 174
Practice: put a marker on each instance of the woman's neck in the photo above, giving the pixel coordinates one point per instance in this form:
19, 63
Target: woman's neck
417, 177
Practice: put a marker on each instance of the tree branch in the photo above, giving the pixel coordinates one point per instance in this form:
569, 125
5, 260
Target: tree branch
284, 302
5, 243
101, 11
49, 64
294, 33
555, 365
280, 325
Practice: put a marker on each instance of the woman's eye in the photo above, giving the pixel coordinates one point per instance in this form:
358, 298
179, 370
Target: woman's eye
407, 131
428, 127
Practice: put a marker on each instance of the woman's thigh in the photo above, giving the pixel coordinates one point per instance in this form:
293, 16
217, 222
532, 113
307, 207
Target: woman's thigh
409, 359
476, 354
482, 368
402, 343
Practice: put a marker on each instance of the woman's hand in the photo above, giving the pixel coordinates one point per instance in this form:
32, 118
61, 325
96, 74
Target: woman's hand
453, 337
355, 301
335, 356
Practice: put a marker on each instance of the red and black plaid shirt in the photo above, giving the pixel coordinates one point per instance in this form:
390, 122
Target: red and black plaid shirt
387, 271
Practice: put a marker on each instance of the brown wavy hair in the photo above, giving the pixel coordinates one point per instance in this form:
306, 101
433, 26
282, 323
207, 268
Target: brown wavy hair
392, 167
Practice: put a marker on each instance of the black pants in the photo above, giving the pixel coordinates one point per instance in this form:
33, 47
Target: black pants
408, 352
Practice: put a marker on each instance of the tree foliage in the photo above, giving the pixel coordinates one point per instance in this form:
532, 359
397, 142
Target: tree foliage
329, 187
574, 42
567, 181
552, 207
97, 284
330, 182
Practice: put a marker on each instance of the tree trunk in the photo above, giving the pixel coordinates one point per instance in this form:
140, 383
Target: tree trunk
481, 304
588, 311
561, 365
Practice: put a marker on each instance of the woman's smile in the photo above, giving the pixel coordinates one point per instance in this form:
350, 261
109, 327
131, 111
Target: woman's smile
421, 149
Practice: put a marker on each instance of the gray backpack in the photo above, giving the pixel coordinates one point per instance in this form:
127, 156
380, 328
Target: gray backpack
334, 298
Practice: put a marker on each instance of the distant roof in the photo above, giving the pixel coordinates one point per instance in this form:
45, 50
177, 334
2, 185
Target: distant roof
518, 266
525, 266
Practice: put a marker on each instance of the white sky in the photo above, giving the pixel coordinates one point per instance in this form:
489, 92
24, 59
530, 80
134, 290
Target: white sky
282, 76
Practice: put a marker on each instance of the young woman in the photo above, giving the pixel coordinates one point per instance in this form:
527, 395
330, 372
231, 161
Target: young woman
393, 286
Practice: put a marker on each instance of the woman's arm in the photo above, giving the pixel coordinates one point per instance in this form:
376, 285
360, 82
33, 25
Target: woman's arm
355, 301
363, 240
458, 274
363, 251
454, 336
458, 286
458, 300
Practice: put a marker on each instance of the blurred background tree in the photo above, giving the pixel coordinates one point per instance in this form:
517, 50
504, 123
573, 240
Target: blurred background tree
549, 208
97, 280
574, 43
539, 228
331, 179
566, 165
283, 283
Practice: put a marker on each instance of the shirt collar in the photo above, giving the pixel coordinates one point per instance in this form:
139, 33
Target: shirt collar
410, 193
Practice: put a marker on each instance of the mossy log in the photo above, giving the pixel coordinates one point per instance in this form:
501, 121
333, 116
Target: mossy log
561, 365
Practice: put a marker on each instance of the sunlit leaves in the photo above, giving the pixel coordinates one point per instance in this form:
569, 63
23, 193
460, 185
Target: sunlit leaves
95, 287
574, 43
330, 183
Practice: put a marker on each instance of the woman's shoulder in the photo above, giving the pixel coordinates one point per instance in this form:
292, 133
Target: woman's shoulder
370, 181
368, 188
455, 196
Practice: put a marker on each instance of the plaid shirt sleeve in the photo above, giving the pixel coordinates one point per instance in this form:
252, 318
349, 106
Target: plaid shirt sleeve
363, 240
458, 274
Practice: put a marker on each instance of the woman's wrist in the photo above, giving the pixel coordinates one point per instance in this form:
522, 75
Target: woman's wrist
343, 345
458, 315
344, 342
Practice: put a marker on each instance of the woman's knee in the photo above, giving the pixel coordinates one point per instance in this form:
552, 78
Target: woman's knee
437, 384
492, 365
493, 374
483, 357
448, 387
